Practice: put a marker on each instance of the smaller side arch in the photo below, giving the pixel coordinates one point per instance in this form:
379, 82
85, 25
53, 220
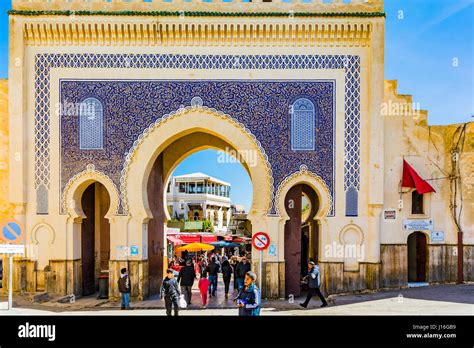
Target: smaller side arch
76, 186
304, 176
48, 227
356, 234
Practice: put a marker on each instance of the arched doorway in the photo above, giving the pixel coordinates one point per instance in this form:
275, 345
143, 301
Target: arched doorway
301, 235
95, 236
417, 257
153, 158
196, 208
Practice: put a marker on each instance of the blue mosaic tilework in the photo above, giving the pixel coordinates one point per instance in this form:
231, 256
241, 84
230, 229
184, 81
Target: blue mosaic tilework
350, 64
262, 106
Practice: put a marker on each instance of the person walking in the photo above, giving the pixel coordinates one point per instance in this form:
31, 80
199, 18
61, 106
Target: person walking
124, 288
203, 265
314, 282
226, 275
186, 280
170, 293
234, 262
203, 288
249, 300
213, 271
241, 270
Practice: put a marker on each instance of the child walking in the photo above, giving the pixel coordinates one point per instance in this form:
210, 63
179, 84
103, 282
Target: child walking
203, 287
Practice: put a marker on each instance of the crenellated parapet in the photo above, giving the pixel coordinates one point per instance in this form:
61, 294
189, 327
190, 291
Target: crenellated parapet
229, 6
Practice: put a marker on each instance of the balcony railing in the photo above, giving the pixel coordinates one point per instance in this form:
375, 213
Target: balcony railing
228, 6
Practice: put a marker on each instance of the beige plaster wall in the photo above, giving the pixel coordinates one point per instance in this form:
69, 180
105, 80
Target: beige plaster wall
6, 208
428, 150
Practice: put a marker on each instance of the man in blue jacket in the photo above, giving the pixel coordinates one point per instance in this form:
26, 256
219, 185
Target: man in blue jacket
314, 282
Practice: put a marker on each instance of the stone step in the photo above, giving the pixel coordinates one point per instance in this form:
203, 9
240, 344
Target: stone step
39, 297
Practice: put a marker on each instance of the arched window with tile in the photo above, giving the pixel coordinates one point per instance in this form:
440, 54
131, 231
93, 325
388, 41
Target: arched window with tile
303, 125
91, 125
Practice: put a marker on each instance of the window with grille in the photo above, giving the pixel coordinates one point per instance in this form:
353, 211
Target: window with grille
416, 203
303, 125
91, 125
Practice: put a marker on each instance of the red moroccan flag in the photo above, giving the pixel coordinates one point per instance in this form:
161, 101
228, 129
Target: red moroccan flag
411, 179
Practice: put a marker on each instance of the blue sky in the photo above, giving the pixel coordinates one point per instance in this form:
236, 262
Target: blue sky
428, 49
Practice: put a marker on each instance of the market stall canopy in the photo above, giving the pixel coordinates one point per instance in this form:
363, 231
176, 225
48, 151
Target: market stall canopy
223, 244
189, 237
209, 239
174, 240
196, 247
242, 240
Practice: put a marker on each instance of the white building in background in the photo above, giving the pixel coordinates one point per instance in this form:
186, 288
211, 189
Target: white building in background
198, 196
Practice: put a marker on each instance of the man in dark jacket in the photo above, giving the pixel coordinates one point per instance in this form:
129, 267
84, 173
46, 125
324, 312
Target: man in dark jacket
170, 292
186, 280
124, 288
241, 270
314, 282
213, 271
226, 275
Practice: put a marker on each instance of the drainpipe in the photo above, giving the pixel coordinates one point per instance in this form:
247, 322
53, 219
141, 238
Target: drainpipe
460, 258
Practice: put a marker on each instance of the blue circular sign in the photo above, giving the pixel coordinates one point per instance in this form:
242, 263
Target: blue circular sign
11, 231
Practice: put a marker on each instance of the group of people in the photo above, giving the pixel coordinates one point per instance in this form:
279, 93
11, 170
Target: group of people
208, 269
248, 299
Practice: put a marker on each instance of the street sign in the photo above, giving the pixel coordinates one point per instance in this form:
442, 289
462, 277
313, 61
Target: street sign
11, 231
260, 240
418, 224
134, 250
272, 250
437, 236
12, 249
389, 215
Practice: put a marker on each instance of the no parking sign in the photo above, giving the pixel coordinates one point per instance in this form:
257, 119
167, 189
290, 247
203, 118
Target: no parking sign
260, 240
11, 231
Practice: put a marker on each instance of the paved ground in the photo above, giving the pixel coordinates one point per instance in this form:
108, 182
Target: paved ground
430, 300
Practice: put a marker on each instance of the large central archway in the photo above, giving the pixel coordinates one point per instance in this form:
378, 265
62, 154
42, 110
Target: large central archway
154, 157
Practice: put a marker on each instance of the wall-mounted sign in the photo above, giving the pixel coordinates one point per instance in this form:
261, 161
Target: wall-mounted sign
389, 214
437, 236
417, 225
272, 250
122, 251
134, 250
12, 249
